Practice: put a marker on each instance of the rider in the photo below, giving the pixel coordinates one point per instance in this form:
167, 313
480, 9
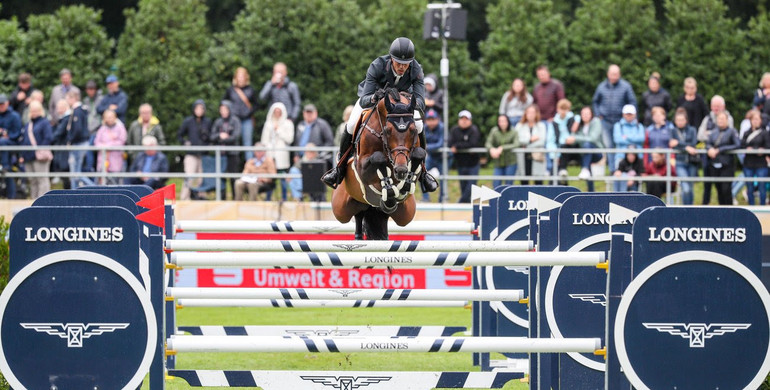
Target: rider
396, 69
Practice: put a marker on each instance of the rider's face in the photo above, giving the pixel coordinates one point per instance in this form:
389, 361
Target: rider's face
400, 69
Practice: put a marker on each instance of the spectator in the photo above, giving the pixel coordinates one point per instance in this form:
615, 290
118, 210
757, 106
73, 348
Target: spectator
281, 89
628, 131
313, 130
588, 135
657, 166
149, 162
38, 96
90, 102
611, 96
547, 93
755, 165
253, 180
115, 100
20, 95
558, 133
37, 132
75, 133
760, 96
296, 184
532, 132
244, 100
657, 134
628, 167
195, 131
226, 132
740, 184
500, 142
565, 123
111, 135
708, 125
277, 134
10, 135
684, 139
515, 101
693, 103
434, 139
60, 161
434, 96
341, 128
465, 136
723, 139
655, 96
59, 92
146, 124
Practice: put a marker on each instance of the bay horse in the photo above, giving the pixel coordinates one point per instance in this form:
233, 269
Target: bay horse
383, 166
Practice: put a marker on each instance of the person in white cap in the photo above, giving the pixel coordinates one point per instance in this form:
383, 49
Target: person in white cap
627, 131
397, 69
465, 136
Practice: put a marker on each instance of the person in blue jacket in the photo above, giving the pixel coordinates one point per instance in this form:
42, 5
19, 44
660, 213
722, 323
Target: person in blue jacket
627, 131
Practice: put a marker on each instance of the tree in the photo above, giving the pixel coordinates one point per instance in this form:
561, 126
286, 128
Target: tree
604, 33
702, 42
69, 38
163, 59
759, 48
10, 41
525, 34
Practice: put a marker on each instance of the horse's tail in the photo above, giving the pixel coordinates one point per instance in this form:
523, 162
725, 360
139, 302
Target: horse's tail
375, 224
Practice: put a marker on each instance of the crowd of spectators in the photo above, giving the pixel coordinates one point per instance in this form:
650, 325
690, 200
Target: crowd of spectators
542, 118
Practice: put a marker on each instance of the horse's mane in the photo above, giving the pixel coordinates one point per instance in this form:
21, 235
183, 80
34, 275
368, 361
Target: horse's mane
399, 107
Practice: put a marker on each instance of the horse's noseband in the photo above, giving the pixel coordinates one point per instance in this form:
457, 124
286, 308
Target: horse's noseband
401, 122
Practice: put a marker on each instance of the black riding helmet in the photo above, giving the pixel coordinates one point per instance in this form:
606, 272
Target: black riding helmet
402, 50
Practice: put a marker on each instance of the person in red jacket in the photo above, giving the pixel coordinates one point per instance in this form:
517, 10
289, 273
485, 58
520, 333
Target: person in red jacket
658, 167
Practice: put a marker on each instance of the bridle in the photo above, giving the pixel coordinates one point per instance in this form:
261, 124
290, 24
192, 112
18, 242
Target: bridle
398, 150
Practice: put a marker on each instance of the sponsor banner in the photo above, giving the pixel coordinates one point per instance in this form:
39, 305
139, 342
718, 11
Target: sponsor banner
324, 278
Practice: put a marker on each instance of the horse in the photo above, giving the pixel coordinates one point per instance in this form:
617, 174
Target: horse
383, 167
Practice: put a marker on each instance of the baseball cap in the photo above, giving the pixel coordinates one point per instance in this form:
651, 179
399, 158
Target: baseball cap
111, 79
431, 114
629, 109
310, 108
3, 98
465, 113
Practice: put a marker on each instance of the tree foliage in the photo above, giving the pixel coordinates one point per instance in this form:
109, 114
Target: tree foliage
758, 44
163, 59
10, 41
702, 42
514, 48
605, 32
69, 38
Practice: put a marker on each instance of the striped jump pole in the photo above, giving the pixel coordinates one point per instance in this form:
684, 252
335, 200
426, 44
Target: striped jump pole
376, 259
295, 303
322, 330
345, 294
237, 226
346, 246
380, 344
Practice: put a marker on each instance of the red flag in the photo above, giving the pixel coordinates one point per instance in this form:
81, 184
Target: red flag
155, 217
151, 201
169, 192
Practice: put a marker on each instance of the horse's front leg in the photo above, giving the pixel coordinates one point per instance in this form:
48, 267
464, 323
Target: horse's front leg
416, 160
376, 168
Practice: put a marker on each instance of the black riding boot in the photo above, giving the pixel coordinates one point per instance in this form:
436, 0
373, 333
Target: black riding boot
335, 175
427, 182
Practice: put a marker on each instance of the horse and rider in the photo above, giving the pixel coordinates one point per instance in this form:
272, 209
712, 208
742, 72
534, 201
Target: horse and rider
384, 146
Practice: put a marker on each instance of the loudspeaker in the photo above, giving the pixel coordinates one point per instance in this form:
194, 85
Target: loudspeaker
431, 24
311, 177
456, 24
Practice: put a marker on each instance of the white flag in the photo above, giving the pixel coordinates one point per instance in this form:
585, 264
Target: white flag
620, 214
540, 203
487, 193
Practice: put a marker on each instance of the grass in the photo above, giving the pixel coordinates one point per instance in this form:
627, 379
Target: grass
326, 361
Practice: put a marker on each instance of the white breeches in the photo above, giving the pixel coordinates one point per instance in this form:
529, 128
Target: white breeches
356, 113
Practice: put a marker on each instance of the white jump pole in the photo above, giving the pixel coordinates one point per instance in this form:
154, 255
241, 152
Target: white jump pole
293, 303
379, 344
375, 259
349, 246
239, 226
344, 294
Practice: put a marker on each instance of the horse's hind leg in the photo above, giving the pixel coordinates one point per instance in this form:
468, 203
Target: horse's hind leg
359, 226
375, 224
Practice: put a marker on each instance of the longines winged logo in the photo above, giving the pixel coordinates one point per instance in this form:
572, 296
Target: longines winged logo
599, 299
345, 293
349, 247
75, 332
323, 332
696, 333
346, 382
325, 229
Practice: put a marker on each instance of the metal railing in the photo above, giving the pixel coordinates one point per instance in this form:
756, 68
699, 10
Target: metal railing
221, 151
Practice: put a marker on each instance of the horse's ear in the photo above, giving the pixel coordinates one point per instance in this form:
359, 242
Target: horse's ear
388, 104
412, 103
